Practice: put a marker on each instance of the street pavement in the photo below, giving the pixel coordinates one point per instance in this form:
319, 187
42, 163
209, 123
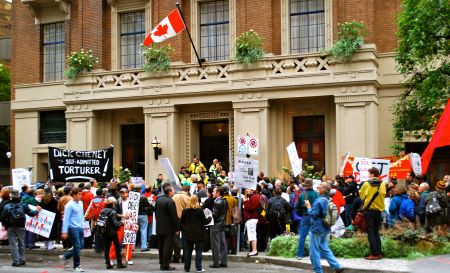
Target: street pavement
51, 264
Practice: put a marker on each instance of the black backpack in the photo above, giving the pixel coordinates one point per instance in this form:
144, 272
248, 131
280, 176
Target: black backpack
15, 215
277, 210
102, 221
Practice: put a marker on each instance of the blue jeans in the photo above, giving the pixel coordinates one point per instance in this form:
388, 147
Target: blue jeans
143, 225
76, 237
16, 243
348, 214
303, 232
30, 239
188, 247
318, 248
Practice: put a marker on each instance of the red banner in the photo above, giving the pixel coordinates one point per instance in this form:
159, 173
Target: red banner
398, 167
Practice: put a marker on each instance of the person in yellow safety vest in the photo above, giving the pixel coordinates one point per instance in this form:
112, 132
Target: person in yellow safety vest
196, 165
213, 166
222, 177
216, 173
203, 177
181, 173
186, 178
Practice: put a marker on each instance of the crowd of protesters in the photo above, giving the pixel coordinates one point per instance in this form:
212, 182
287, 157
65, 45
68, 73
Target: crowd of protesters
203, 215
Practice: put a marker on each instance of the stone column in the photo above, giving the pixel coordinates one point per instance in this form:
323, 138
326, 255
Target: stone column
161, 122
252, 117
80, 129
357, 121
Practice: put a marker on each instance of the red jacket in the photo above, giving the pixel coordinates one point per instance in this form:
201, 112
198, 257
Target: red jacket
251, 207
338, 200
86, 197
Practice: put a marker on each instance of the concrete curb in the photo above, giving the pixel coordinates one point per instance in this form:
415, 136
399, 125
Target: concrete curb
350, 265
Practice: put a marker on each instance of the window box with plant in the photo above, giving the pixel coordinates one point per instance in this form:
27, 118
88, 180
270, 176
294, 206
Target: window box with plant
79, 62
249, 48
350, 38
157, 58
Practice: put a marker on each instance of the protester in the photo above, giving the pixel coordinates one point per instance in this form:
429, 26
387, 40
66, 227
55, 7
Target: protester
145, 209
217, 231
230, 231
424, 190
13, 218
278, 211
73, 228
110, 236
181, 200
349, 191
49, 203
438, 199
193, 222
60, 207
92, 213
374, 189
262, 227
318, 242
122, 210
399, 195
30, 199
251, 204
301, 209
167, 225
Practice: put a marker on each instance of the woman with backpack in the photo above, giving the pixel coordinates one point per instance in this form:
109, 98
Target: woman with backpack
398, 197
278, 214
111, 223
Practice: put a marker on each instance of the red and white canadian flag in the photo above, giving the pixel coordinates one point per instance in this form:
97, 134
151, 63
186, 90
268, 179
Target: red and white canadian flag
167, 28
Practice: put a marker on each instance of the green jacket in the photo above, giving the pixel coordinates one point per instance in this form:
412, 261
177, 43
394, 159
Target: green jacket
299, 206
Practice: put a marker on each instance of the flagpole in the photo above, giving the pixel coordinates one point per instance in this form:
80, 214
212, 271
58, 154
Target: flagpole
200, 61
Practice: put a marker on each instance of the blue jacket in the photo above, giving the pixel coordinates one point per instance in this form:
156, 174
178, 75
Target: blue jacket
317, 211
394, 207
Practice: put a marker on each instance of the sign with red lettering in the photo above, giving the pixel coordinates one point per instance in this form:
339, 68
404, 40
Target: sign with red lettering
40, 224
131, 223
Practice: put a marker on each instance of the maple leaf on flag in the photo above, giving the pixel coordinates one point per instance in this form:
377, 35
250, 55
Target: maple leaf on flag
161, 30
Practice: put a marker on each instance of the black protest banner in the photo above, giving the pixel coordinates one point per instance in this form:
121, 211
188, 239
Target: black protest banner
80, 166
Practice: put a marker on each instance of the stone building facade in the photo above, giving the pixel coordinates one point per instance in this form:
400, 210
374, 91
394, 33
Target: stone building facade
294, 94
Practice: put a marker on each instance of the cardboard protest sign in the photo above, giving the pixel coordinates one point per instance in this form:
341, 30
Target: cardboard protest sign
131, 224
416, 163
362, 165
87, 229
296, 162
69, 165
173, 178
40, 224
20, 177
245, 173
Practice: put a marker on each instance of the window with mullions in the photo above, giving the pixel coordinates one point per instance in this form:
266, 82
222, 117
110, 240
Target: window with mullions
307, 25
214, 30
52, 127
53, 50
132, 34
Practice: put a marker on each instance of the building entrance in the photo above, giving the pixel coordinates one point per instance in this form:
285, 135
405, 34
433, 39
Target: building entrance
133, 149
214, 142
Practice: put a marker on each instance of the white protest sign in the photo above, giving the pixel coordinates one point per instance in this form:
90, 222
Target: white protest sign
343, 162
416, 163
40, 224
173, 178
362, 165
253, 146
316, 183
245, 173
20, 178
243, 145
131, 223
87, 229
296, 162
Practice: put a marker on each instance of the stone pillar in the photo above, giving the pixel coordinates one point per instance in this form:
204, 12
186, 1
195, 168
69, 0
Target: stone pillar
252, 117
161, 122
80, 129
357, 121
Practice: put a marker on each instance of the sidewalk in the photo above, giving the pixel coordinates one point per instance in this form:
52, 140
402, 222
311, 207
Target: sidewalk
350, 265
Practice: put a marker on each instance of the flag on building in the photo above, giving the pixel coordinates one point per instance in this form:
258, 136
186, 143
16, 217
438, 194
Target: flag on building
167, 28
440, 138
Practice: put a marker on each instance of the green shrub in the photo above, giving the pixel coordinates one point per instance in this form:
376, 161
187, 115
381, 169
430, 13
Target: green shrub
350, 247
284, 246
156, 58
350, 38
249, 48
80, 61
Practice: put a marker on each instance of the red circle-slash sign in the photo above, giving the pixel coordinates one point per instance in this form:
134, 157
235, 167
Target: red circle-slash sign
253, 143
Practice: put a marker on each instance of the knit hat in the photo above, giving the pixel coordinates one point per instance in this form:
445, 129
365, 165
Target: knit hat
14, 194
440, 185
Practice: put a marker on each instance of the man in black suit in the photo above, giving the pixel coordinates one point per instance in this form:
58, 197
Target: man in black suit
167, 225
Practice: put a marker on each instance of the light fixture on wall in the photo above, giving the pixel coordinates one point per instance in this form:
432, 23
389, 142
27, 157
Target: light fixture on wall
156, 147
8, 153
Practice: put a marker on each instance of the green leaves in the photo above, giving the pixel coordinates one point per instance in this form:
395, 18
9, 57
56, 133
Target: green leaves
5, 83
350, 38
423, 57
249, 48
156, 58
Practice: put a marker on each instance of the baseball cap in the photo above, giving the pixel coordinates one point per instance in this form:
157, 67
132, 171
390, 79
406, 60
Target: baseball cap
123, 190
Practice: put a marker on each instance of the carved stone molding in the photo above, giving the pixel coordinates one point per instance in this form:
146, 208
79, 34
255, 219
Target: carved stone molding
40, 10
355, 99
160, 109
251, 104
76, 116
